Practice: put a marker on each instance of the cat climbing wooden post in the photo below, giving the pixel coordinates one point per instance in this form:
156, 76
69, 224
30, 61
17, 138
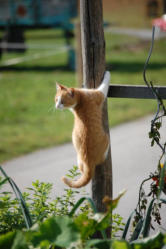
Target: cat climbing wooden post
93, 53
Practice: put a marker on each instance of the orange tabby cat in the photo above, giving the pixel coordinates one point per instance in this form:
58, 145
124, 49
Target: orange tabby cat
89, 138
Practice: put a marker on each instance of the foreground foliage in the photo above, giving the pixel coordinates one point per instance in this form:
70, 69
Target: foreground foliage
68, 232
41, 206
65, 223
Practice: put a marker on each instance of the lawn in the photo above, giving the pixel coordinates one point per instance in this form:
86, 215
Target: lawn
126, 13
28, 119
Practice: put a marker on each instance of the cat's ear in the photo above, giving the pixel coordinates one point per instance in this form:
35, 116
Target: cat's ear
59, 86
71, 92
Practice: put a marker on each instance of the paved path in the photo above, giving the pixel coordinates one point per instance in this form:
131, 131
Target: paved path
133, 160
144, 34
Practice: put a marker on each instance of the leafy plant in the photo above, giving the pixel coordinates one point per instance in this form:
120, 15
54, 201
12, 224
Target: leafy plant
62, 231
41, 206
148, 207
117, 225
72, 229
38, 201
71, 232
11, 216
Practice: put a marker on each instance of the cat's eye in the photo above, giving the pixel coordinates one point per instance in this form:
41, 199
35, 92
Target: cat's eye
71, 94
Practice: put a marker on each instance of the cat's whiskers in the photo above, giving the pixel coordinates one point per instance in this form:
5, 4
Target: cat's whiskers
52, 108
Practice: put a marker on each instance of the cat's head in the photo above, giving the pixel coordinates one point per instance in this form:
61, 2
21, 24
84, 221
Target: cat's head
65, 97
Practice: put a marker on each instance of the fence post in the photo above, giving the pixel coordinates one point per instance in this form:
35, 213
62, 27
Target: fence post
93, 54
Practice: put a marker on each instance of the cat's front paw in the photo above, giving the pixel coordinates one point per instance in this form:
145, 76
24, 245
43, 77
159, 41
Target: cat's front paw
107, 76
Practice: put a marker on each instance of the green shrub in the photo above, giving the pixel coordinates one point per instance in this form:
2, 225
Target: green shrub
41, 205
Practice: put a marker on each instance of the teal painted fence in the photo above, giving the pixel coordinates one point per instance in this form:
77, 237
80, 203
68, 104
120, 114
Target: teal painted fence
37, 12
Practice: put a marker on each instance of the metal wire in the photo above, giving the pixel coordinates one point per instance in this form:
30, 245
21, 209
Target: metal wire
160, 105
6, 45
18, 60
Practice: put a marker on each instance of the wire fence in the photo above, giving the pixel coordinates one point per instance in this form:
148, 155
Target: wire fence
43, 54
6, 45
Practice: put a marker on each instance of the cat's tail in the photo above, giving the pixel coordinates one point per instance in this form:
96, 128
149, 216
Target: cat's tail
82, 181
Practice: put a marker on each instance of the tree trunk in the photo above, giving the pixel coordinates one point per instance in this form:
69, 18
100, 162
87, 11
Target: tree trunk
93, 54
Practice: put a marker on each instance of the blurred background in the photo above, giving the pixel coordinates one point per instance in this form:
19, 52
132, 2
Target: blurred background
40, 44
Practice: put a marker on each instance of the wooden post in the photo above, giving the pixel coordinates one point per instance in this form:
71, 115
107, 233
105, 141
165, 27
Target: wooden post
164, 6
79, 66
93, 54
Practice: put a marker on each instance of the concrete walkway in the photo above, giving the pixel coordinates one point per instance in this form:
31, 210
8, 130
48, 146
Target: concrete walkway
144, 34
133, 159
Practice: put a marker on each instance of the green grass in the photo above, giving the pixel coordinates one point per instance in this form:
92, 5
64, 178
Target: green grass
28, 120
129, 13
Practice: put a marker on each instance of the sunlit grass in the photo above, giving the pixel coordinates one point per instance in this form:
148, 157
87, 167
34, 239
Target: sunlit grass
28, 119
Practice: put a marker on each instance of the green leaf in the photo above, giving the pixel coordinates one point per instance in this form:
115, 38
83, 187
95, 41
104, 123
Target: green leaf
163, 200
89, 226
116, 201
79, 202
13, 240
3, 181
158, 125
19, 197
152, 142
19, 241
112, 204
98, 243
127, 225
59, 231
120, 244
152, 242
103, 220
147, 221
6, 240
137, 230
150, 134
2, 204
164, 239
86, 226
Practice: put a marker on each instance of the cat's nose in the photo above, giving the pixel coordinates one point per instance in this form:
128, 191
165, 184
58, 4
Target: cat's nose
59, 103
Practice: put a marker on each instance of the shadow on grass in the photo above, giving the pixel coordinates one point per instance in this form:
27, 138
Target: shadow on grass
117, 66
35, 68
